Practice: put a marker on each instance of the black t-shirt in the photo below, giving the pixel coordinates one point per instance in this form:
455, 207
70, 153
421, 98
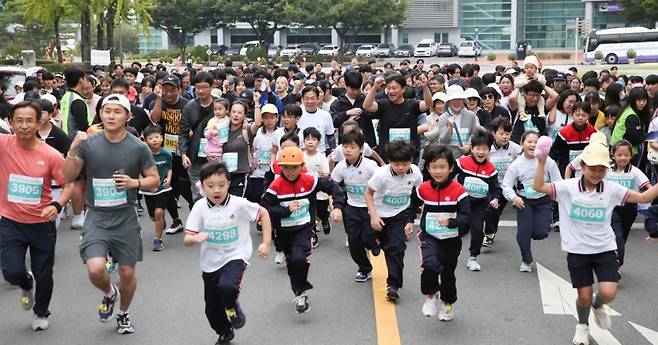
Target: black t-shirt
170, 120
147, 102
58, 140
399, 117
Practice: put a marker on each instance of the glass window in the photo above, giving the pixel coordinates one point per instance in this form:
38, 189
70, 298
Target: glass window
405, 38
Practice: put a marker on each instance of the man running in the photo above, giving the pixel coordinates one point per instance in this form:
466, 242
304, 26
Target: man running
113, 161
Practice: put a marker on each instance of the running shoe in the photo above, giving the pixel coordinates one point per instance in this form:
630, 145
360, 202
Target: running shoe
259, 226
124, 326
40, 323
225, 338
488, 241
140, 209
429, 307
375, 251
347, 241
473, 264
27, 296
362, 277
326, 227
176, 226
236, 316
106, 308
525, 267
602, 316
78, 221
280, 258
446, 313
110, 265
392, 293
158, 245
314, 240
582, 335
301, 303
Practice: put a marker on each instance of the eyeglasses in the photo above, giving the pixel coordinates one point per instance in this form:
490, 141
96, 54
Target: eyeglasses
488, 96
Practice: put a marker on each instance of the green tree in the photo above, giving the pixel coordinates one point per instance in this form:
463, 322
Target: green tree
264, 16
50, 13
644, 12
350, 17
182, 18
109, 13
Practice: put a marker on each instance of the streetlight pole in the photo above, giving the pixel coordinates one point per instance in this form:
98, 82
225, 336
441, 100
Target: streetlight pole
120, 43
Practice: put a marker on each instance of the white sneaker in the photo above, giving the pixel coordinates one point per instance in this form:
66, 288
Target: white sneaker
429, 307
446, 313
280, 258
525, 267
39, 323
176, 226
78, 221
602, 316
473, 264
582, 335
347, 242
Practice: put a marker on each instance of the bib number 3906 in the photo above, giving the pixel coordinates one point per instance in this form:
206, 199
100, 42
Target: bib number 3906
24, 189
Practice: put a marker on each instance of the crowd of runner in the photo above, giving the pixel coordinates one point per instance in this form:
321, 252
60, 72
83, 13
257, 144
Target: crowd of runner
290, 148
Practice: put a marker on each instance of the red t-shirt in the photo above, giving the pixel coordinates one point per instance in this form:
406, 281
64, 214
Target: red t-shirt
25, 179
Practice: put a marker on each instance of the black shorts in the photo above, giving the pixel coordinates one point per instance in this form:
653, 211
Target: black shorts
157, 201
583, 266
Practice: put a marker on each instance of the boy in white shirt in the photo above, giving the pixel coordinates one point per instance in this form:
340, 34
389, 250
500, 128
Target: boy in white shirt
220, 224
317, 164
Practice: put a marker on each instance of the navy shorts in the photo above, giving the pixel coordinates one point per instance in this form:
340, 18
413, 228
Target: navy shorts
582, 268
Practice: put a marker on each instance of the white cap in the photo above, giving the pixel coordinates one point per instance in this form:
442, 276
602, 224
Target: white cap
511, 71
596, 154
117, 99
216, 93
455, 92
270, 108
497, 88
50, 98
20, 84
471, 93
439, 96
531, 59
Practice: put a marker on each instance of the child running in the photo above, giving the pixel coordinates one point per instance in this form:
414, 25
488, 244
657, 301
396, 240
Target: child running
317, 165
262, 152
388, 196
533, 209
291, 200
216, 131
354, 171
444, 219
337, 155
586, 206
220, 224
156, 202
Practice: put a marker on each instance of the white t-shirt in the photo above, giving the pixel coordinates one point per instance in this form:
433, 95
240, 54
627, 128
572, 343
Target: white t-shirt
561, 120
262, 153
322, 121
502, 158
356, 179
315, 164
631, 178
585, 217
337, 155
227, 225
393, 192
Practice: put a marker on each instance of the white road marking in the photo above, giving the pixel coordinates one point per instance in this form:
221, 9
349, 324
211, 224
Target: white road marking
649, 334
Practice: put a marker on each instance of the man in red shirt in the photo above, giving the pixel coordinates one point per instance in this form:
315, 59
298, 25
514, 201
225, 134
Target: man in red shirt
27, 169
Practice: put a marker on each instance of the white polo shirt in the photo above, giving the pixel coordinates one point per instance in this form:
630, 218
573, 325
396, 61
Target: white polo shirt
262, 153
631, 178
585, 217
356, 179
227, 225
393, 192
337, 155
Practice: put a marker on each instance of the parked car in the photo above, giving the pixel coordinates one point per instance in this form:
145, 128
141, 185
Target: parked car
366, 50
350, 49
329, 50
469, 48
9, 77
385, 50
427, 48
309, 48
247, 45
220, 50
447, 49
234, 49
273, 50
405, 50
291, 50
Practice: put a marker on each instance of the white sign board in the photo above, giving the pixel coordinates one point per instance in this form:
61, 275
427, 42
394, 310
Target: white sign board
100, 57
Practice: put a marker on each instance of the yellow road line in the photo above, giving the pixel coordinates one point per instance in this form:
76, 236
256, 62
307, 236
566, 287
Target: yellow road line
386, 318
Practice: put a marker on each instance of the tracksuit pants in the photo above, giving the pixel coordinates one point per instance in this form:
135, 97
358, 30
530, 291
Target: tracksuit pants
623, 218
296, 246
393, 242
221, 290
40, 238
479, 210
439, 258
534, 223
493, 217
360, 236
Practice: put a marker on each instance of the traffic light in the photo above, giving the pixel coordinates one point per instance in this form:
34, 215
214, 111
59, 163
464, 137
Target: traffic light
582, 26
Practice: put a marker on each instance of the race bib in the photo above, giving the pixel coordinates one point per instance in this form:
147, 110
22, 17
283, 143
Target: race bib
24, 189
433, 228
463, 135
222, 131
530, 192
170, 142
555, 132
300, 217
202, 147
223, 236
396, 200
573, 154
231, 160
587, 212
106, 194
475, 187
529, 125
355, 190
623, 179
399, 134
502, 164
264, 157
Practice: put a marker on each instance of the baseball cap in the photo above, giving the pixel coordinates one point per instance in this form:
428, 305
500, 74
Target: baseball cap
560, 76
291, 156
246, 96
269, 108
598, 138
117, 99
596, 154
511, 71
172, 80
59, 75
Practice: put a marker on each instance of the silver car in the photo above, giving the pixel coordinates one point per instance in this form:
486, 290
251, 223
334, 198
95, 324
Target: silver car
384, 50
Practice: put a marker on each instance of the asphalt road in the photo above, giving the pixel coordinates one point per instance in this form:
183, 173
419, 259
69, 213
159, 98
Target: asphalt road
498, 305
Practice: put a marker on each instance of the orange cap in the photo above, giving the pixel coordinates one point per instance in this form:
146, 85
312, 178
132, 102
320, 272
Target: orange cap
291, 156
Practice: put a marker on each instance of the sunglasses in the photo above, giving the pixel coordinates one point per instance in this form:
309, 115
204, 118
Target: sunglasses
488, 96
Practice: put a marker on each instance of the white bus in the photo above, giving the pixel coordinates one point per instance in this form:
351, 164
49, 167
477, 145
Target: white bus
614, 43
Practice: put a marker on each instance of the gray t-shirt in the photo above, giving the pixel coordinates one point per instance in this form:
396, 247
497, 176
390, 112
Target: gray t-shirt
236, 143
102, 158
